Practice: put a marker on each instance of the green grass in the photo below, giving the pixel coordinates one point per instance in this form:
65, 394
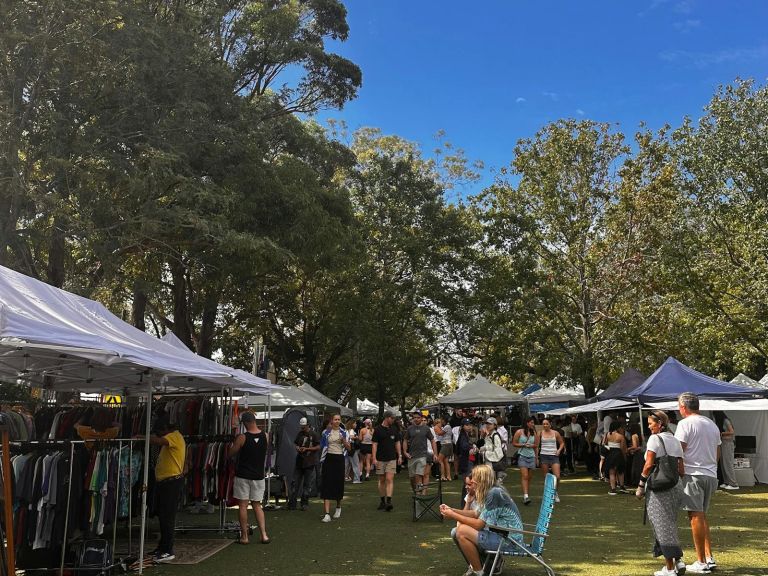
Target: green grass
593, 534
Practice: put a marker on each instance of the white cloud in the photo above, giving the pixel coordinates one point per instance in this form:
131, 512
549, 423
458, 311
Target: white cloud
551, 95
579, 111
707, 59
520, 100
687, 25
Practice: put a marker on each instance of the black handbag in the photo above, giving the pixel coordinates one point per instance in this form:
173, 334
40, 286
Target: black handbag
664, 474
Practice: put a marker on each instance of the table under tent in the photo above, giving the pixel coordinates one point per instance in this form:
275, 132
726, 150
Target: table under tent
57, 341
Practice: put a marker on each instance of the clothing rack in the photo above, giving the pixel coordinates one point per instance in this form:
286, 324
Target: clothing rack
223, 527
71, 445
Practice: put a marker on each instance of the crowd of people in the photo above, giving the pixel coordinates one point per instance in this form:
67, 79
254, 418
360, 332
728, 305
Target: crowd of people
476, 449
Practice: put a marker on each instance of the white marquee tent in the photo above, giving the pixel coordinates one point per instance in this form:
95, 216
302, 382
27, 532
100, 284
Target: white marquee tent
57, 340
749, 418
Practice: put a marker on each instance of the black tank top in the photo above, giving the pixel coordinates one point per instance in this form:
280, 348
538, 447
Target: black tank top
250, 461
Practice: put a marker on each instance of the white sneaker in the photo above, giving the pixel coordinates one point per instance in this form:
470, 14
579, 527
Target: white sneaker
698, 568
723, 485
557, 498
326, 518
337, 514
680, 566
665, 572
730, 487
711, 562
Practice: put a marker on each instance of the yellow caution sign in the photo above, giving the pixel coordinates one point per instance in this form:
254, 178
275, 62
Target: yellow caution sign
112, 399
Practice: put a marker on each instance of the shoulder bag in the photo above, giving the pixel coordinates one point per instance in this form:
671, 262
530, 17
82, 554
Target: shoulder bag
664, 474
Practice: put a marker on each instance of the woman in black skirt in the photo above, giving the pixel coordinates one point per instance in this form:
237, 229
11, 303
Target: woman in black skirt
334, 445
616, 458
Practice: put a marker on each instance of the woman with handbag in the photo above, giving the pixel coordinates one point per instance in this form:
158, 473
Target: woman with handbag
659, 479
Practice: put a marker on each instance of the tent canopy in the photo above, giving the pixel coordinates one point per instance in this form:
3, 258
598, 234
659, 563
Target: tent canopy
323, 400
50, 337
628, 381
481, 392
743, 380
673, 378
551, 396
610, 404
286, 397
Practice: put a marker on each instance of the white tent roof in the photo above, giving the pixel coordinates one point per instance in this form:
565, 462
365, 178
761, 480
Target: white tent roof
323, 400
552, 395
744, 380
283, 398
706, 404
481, 392
764, 380
52, 337
611, 404
366, 407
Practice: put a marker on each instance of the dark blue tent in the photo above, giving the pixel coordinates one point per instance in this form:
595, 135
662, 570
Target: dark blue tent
673, 378
628, 381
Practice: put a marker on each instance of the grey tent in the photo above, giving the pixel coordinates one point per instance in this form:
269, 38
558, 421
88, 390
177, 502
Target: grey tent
481, 392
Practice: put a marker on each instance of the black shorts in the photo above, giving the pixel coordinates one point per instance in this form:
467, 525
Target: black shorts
366, 449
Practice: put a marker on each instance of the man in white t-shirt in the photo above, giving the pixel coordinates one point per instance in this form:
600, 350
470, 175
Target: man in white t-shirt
700, 438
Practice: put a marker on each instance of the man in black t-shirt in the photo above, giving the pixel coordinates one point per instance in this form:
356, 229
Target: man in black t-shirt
307, 444
386, 457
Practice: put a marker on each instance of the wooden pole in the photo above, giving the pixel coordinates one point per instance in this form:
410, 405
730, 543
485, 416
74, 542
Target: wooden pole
8, 508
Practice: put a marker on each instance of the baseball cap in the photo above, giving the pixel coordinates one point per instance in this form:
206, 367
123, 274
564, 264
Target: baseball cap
247, 417
303, 422
466, 421
491, 420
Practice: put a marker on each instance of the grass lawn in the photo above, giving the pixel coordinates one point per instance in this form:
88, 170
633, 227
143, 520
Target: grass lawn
593, 534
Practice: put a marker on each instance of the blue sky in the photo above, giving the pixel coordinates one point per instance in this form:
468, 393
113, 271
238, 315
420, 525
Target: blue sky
490, 72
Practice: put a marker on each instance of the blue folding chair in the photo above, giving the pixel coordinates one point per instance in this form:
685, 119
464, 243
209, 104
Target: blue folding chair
535, 547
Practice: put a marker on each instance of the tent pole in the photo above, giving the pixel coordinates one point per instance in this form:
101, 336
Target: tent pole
642, 428
144, 487
270, 453
8, 503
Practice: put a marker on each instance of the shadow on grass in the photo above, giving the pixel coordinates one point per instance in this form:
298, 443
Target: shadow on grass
592, 534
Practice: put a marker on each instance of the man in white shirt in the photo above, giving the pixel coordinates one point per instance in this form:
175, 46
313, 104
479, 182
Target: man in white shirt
700, 438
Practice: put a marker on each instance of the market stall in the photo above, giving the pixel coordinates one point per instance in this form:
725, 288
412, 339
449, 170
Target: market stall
59, 341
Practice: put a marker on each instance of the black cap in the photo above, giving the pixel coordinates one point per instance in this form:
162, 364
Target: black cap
466, 421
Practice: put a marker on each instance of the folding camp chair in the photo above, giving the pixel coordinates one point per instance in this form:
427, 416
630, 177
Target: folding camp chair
424, 504
535, 547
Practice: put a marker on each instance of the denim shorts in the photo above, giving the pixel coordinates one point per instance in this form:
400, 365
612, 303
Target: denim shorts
488, 541
526, 462
549, 459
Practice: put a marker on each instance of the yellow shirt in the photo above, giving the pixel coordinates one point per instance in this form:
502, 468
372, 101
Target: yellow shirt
170, 462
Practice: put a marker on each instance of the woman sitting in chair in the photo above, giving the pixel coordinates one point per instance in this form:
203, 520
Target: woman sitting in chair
495, 507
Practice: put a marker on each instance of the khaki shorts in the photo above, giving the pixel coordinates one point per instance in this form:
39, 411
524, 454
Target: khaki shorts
386, 467
416, 466
244, 489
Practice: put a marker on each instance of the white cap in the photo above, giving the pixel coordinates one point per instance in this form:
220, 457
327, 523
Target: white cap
303, 422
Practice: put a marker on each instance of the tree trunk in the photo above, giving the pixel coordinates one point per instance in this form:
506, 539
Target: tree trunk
139, 308
57, 254
180, 305
208, 325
